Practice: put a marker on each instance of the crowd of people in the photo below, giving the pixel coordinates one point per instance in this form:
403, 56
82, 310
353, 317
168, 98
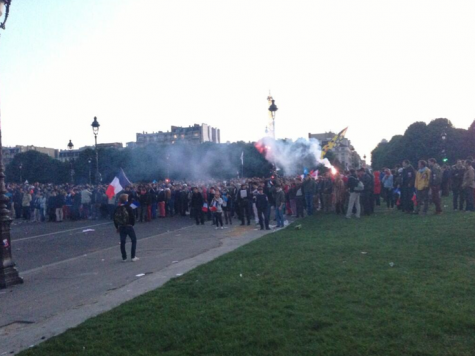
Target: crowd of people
354, 192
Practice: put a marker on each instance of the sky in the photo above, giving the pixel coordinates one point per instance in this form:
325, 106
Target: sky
144, 65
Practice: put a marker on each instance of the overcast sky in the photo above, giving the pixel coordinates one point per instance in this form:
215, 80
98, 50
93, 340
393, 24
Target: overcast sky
144, 65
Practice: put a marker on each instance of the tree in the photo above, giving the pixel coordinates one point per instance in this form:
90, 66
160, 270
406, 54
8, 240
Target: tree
37, 167
439, 139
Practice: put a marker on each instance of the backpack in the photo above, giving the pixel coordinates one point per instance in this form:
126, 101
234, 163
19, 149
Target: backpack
359, 187
121, 216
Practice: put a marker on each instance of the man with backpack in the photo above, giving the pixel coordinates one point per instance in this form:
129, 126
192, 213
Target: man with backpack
124, 221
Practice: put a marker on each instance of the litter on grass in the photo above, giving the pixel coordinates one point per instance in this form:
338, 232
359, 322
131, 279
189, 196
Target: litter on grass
240, 275
391, 264
364, 253
179, 274
88, 230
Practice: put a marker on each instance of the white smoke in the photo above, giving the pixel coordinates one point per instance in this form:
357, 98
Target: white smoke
291, 156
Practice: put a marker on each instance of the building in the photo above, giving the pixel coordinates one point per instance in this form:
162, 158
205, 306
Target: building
114, 145
71, 155
10, 152
344, 152
195, 134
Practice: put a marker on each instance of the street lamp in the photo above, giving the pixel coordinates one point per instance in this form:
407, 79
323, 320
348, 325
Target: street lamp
70, 147
89, 161
95, 129
273, 108
3, 4
168, 166
8, 272
444, 146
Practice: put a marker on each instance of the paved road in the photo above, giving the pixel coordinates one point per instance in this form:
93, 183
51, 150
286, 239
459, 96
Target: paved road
40, 244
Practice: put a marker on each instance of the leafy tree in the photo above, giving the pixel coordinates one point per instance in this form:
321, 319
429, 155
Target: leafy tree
439, 139
37, 167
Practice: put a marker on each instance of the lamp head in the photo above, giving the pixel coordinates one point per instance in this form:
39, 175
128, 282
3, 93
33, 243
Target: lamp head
4, 8
273, 108
95, 126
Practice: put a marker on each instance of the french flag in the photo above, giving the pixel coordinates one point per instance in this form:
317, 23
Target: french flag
118, 184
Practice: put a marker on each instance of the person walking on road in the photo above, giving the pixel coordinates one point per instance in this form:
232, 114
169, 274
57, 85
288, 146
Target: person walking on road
124, 221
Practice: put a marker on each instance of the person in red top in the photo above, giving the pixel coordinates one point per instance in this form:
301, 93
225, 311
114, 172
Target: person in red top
377, 188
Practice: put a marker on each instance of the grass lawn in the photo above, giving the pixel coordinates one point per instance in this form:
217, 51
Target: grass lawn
308, 292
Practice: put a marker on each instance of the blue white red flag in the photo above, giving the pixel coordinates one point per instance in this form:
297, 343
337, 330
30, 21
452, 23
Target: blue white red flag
119, 183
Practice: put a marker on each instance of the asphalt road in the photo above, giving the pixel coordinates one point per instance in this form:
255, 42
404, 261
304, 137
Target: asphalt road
37, 245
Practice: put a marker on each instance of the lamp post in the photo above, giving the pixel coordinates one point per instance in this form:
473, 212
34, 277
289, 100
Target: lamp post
95, 129
8, 272
90, 162
273, 108
70, 147
168, 166
444, 146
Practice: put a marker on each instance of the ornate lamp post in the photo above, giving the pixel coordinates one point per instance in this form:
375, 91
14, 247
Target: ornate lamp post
273, 108
90, 162
168, 166
8, 272
70, 147
95, 129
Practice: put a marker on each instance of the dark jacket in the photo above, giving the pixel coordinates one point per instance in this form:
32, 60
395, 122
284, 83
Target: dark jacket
130, 213
197, 200
368, 181
457, 176
353, 183
261, 201
279, 198
309, 186
436, 175
408, 177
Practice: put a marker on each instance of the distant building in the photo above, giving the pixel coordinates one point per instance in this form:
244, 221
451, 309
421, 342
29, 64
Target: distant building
344, 152
116, 145
71, 155
195, 134
10, 152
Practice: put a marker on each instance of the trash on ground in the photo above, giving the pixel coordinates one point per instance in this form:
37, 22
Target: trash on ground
286, 223
88, 230
140, 275
364, 253
240, 275
298, 227
179, 274
391, 264
175, 261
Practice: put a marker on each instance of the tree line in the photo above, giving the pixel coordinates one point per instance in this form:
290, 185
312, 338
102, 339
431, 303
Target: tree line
439, 139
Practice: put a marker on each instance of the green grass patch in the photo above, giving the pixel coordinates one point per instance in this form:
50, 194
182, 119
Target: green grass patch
308, 292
